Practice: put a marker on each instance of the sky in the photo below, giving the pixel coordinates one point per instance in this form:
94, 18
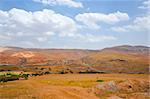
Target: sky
74, 24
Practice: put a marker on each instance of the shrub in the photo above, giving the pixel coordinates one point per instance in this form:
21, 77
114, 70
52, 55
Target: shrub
99, 80
25, 76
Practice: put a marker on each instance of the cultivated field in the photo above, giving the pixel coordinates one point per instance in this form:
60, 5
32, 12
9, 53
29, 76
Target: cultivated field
77, 86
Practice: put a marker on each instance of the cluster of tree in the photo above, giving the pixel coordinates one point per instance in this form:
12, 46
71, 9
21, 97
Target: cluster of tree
10, 77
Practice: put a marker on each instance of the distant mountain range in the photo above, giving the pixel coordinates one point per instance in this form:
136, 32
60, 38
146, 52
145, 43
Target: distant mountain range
118, 59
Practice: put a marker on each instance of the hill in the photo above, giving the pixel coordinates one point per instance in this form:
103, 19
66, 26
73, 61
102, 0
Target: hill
121, 59
118, 59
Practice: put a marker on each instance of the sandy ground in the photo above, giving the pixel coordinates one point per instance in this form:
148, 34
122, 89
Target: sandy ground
57, 86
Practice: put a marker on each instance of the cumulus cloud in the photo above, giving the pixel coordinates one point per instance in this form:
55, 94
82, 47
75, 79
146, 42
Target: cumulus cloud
20, 23
25, 28
94, 19
69, 3
139, 24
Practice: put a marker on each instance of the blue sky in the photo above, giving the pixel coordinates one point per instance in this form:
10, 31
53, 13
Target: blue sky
86, 24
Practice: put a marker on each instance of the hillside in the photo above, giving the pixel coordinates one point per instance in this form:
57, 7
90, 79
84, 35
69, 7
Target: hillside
122, 59
119, 59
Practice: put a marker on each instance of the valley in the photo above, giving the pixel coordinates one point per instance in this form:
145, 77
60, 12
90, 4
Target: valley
120, 72
119, 59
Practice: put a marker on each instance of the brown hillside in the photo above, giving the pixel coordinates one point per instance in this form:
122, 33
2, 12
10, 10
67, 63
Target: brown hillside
119, 59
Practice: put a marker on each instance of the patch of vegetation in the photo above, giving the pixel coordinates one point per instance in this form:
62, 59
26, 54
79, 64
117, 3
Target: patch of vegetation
40, 73
25, 76
92, 72
99, 80
8, 77
11, 76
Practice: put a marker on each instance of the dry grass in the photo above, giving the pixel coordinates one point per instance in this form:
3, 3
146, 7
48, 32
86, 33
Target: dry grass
14, 89
69, 86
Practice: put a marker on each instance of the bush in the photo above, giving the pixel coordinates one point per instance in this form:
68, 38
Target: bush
100, 81
25, 76
35, 74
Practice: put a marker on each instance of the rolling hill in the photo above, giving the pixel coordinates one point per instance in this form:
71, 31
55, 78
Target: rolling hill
118, 59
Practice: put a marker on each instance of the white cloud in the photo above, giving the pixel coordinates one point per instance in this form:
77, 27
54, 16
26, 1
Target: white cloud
20, 23
69, 3
4, 37
146, 5
49, 33
139, 24
20, 27
119, 29
41, 39
95, 38
93, 20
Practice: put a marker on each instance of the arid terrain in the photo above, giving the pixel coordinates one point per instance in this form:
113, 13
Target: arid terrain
120, 72
78, 86
74, 49
119, 59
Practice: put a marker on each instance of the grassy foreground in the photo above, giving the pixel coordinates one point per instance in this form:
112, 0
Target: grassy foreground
60, 86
